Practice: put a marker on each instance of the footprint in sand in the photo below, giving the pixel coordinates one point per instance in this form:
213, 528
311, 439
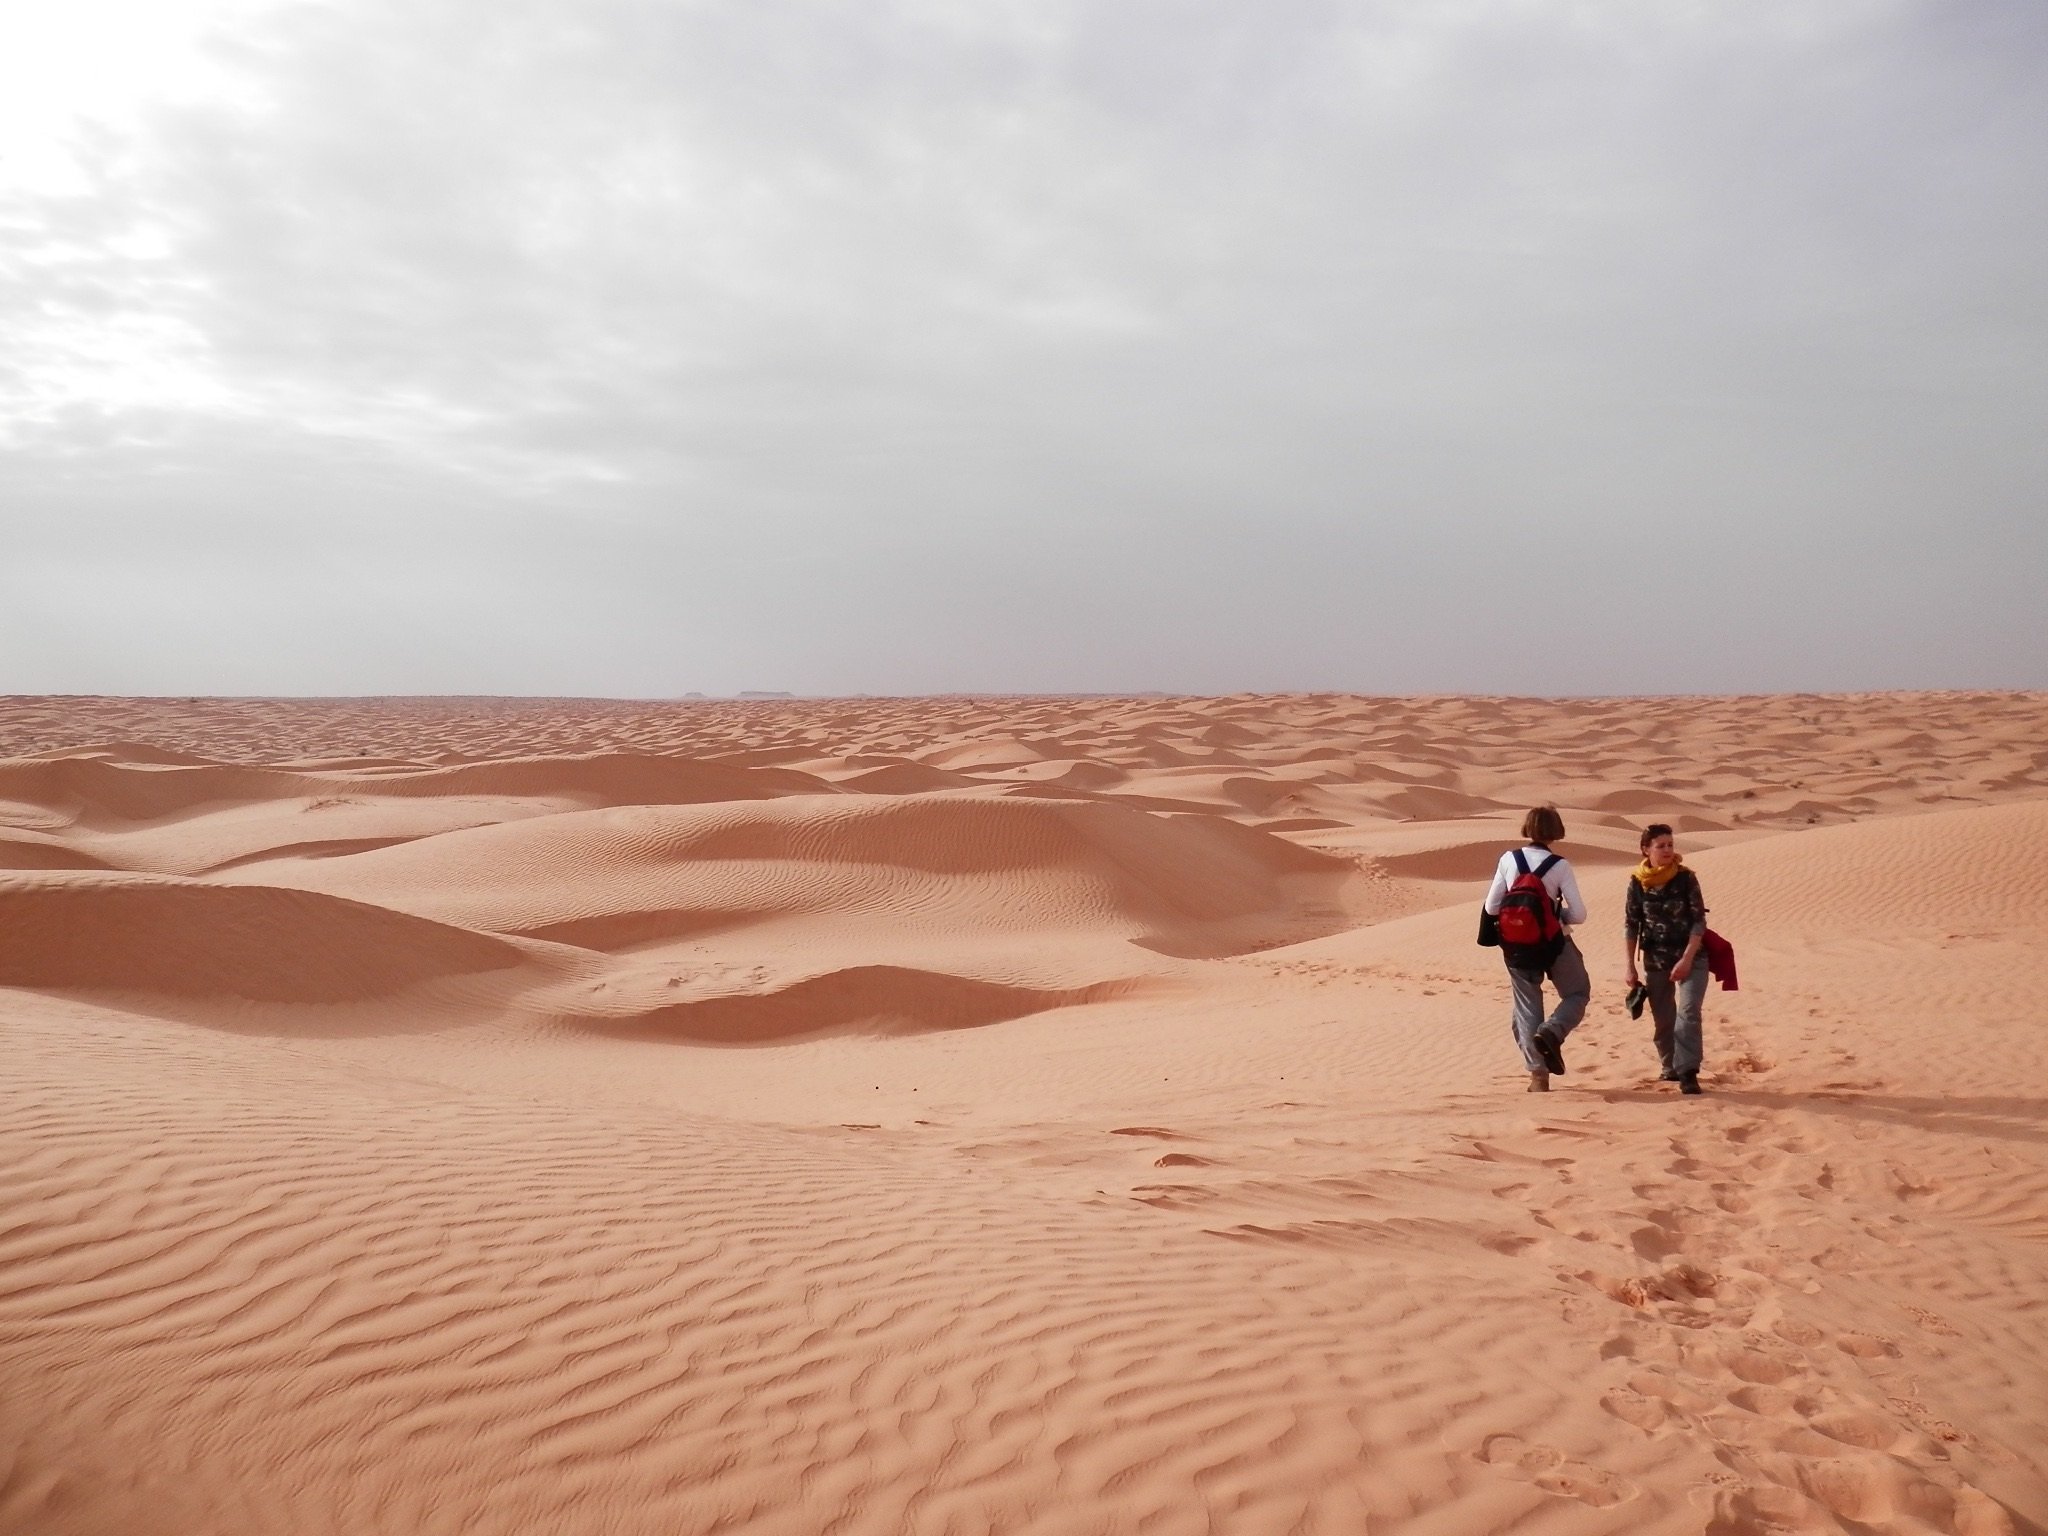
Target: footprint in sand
1908, 1185
1864, 1430
1934, 1323
1644, 1346
1758, 1368
1680, 1293
1675, 1395
1645, 1413
1683, 1164
1772, 1402
1552, 1471
1745, 1511
1668, 1227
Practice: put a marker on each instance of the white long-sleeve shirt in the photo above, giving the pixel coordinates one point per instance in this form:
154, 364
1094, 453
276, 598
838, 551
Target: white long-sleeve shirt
1562, 884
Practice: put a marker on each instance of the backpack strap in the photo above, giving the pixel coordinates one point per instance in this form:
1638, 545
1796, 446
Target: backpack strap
1521, 864
1544, 868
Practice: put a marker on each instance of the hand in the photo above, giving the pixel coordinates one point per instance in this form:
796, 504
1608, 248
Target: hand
1634, 977
1681, 970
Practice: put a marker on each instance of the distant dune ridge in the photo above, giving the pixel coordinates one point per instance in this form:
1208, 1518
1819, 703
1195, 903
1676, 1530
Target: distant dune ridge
1023, 1115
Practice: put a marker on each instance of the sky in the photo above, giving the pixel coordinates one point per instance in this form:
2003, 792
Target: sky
646, 347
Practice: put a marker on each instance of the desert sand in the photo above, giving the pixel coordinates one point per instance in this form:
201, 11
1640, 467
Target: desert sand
1023, 1115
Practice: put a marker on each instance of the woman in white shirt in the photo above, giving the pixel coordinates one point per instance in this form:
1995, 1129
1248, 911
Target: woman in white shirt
1540, 1038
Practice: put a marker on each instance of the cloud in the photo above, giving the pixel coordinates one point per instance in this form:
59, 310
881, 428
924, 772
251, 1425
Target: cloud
920, 346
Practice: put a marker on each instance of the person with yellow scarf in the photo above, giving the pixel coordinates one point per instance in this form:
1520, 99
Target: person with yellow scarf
1665, 921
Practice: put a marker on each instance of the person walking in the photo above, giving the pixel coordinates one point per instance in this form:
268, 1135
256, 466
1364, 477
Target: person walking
1665, 923
1535, 886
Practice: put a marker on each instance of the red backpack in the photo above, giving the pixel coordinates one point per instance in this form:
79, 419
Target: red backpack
1530, 933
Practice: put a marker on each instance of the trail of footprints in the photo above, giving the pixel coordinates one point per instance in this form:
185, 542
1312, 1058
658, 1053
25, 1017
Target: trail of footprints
1710, 1345
1705, 1291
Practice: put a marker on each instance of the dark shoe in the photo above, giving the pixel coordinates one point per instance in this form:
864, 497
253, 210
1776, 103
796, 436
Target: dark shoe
1547, 1048
1667, 1076
1637, 996
1689, 1084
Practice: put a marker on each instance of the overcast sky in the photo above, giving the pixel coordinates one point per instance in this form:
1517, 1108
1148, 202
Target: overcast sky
645, 346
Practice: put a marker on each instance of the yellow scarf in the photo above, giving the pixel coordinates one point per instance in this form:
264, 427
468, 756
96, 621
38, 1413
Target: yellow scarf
1649, 879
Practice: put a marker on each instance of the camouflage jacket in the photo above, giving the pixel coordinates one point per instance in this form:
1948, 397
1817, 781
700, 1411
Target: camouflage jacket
1664, 919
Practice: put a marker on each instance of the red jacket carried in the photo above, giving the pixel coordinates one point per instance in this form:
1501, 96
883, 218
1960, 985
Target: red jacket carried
1721, 961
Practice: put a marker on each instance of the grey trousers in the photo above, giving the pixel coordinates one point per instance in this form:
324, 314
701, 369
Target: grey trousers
1567, 973
1675, 1010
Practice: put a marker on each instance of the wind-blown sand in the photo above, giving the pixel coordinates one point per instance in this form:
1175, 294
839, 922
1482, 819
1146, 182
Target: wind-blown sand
1008, 1115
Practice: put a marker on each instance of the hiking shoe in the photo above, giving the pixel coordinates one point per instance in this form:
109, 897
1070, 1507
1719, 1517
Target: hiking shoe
1689, 1083
1667, 1076
1546, 1047
1539, 1082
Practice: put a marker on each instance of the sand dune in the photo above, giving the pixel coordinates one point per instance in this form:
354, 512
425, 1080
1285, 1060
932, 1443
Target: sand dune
1473, 862
135, 808
946, 862
93, 789
136, 933
867, 999
30, 850
1022, 1115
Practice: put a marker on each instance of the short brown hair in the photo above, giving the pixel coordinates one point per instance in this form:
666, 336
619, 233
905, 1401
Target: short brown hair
1543, 826
1651, 833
